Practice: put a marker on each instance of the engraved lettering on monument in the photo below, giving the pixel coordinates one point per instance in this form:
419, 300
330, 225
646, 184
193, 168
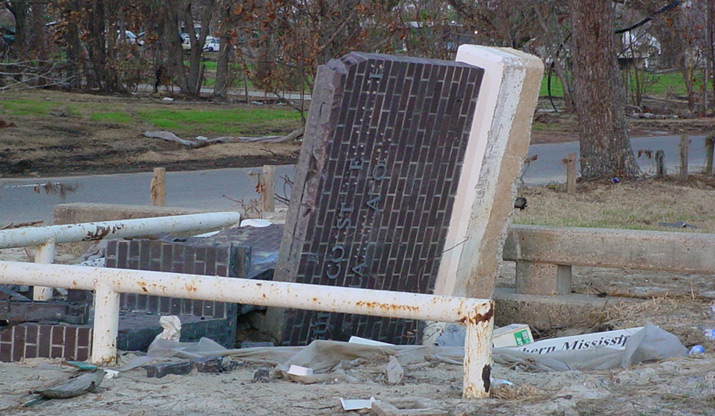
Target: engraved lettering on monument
377, 176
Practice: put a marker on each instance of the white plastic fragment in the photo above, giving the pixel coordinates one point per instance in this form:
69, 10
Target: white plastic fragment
357, 404
109, 373
297, 370
364, 341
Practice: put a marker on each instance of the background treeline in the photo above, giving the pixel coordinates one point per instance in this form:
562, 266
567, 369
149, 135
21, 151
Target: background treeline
276, 45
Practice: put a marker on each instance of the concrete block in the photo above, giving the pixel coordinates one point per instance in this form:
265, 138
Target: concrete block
599, 247
499, 140
533, 278
549, 312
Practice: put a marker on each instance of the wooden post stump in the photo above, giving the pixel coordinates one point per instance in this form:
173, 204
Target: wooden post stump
268, 180
571, 173
158, 187
709, 149
684, 145
659, 164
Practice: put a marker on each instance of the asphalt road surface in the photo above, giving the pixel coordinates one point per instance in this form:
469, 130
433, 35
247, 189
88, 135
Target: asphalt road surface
220, 189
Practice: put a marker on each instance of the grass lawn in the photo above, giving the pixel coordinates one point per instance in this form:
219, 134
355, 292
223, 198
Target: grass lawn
216, 121
663, 84
180, 118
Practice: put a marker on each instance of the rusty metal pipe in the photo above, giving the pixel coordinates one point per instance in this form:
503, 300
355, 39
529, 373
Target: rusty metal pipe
252, 292
70, 233
476, 314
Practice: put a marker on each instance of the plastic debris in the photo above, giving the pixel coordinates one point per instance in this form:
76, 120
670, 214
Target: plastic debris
296, 370
82, 365
258, 223
357, 404
364, 341
616, 180
709, 333
77, 385
696, 349
109, 373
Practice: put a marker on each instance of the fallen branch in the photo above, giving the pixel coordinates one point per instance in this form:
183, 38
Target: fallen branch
170, 137
201, 141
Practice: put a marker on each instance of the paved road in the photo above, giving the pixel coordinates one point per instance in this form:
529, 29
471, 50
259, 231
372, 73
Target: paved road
212, 189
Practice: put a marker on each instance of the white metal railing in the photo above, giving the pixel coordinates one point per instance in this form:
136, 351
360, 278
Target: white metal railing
475, 314
45, 238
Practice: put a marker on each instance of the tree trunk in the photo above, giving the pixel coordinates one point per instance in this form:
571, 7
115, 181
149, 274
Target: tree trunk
173, 40
19, 10
197, 44
224, 53
38, 38
599, 93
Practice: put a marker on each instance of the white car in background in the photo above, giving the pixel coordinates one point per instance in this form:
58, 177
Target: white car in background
212, 44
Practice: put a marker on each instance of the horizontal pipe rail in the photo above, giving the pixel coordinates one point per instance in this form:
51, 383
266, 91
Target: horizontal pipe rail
597, 247
70, 233
476, 314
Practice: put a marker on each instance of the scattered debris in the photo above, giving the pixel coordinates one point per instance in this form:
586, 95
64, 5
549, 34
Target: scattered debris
357, 404
597, 351
512, 335
297, 370
77, 385
159, 370
215, 364
520, 203
262, 375
167, 99
696, 349
109, 373
172, 328
393, 371
82, 365
364, 341
677, 224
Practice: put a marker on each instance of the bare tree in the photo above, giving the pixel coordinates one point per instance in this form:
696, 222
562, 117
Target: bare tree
186, 12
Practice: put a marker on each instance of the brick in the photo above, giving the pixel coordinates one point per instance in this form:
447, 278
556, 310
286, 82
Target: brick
387, 154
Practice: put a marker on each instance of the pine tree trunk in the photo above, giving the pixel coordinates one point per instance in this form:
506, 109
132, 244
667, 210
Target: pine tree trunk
600, 95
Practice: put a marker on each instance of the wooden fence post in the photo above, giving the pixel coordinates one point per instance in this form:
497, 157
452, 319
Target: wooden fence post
659, 164
268, 180
709, 149
571, 173
684, 145
158, 187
